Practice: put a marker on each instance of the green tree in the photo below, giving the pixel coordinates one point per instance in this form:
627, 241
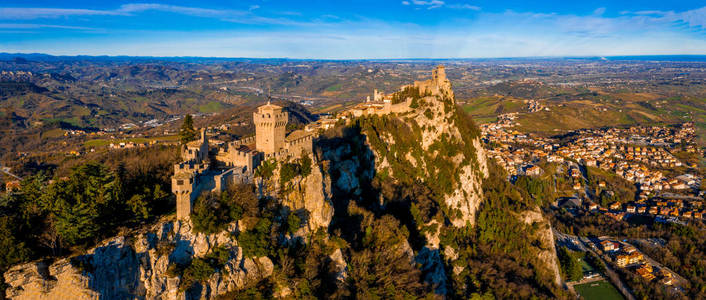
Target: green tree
85, 204
256, 242
305, 163
187, 133
139, 207
77, 223
14, 251
293, 222
570, 265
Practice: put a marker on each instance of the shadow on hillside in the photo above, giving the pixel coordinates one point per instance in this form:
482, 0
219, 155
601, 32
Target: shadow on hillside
352, 170
113, 271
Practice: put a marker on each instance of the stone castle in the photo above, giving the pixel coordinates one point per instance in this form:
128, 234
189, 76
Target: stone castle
381, 104
206, 168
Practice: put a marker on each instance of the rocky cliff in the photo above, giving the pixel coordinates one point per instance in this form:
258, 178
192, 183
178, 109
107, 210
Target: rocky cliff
308, 195
546, 252
432, 145
425, 166
136, 266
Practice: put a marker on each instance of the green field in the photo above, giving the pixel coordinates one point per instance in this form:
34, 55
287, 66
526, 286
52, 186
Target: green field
334, 88
106, 142
599, 290
211, 107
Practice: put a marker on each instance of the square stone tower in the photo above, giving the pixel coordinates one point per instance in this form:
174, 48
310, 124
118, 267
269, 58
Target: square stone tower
270, 125
439, 75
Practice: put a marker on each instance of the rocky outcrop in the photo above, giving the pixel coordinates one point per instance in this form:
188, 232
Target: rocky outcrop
339, 264
547, 250
313, 194
307, 196
136, 266
436, 125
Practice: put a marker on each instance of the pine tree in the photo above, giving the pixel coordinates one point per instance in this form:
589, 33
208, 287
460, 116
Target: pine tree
187, 133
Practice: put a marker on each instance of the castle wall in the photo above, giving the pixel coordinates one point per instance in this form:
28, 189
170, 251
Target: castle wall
401, 107
297, 146
196, 151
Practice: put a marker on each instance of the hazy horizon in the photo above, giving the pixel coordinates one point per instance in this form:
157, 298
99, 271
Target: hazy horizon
642, 57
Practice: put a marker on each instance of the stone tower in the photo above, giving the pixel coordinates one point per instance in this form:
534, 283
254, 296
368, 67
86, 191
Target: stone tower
439, 75
270, 125
183, 188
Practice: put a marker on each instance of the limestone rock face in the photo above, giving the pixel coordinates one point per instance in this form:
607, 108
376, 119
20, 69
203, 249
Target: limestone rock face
545, 236
436, 126
312, 194
341, 267
135, 267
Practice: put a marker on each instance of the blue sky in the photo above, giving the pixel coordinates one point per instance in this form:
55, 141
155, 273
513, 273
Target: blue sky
354, 29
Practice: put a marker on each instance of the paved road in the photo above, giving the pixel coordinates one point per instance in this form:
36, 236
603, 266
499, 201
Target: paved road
6, 171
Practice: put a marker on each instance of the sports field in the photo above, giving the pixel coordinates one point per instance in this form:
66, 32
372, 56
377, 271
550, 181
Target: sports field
599, 290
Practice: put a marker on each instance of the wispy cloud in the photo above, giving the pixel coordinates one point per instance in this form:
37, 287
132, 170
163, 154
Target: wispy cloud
431, 4
184, 10
36, 26
695, 17
463, 6
599, 11
27, 13
248, 16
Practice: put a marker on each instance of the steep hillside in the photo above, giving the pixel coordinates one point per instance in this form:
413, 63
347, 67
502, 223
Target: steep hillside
427, 170
398, 205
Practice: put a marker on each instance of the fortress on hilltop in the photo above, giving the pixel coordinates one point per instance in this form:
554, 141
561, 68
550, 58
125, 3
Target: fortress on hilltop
213, 168
208, 167
382, 104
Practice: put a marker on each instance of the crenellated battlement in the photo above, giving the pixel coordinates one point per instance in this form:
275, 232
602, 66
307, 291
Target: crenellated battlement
235, 161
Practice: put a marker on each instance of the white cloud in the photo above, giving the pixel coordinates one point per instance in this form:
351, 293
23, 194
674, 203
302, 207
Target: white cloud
695, 17
463, 6
431, 4
185, 10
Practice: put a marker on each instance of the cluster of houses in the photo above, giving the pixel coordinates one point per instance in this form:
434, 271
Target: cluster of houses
637, 164
611, 150
608, 149
535, 106
128, 145
658, 207
514, 151
627, 256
